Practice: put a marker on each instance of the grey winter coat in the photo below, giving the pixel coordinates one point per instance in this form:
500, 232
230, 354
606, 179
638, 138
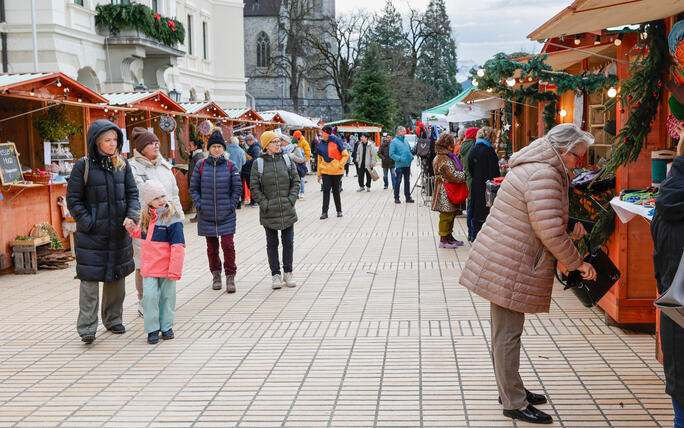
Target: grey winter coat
275, 191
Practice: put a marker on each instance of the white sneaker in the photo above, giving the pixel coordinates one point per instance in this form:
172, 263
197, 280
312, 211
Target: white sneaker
301, 196
288, 280
360, 189
140, 310
277, 282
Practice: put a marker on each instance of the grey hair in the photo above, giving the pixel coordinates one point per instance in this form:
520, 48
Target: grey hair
567, 136
461, 133
400, 128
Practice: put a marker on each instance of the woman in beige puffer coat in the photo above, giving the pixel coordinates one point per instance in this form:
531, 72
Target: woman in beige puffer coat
513, 259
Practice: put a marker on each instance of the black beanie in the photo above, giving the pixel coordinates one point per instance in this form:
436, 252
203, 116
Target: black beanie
216, 138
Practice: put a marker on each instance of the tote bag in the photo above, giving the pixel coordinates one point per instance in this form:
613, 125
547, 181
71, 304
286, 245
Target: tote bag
672, 302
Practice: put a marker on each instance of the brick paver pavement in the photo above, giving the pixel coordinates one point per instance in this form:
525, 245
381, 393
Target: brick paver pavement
377, 333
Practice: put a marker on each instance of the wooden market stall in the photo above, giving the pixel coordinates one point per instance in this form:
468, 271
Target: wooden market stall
43, 119
574, 46
246, 120
153, 110
290, 121
355, 126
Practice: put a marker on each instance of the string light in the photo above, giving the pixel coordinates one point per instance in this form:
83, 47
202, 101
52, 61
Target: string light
563, 113
510, 81
475, 82
481, 72
597, 40
577, 39
59, 84
612, 92
618, 41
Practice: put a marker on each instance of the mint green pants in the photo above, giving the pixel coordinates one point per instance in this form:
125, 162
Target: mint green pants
159, 304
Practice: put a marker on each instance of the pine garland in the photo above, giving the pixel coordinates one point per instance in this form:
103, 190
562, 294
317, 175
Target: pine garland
549, 116
117, 17
642, 95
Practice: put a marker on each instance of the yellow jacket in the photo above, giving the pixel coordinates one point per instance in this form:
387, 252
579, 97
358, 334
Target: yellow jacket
304, 145
332, 157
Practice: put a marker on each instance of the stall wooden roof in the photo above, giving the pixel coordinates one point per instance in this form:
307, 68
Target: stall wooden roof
584, 16
204, 108
144, 100
561, 59
355, 125
243, 114
48, 86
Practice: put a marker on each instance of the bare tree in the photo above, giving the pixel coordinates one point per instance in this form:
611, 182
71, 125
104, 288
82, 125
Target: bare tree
338, 53
296, 23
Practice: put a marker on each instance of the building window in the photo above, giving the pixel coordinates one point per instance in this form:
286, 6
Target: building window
117, 1
205, 41
263, 46
189, 34
155, 6
78, 2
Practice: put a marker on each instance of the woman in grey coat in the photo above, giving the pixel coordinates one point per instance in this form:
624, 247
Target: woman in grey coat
274, 183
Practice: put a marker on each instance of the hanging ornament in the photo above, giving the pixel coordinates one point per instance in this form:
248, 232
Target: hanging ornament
622, 111
167, 124
637, 104
629, 98
205, 127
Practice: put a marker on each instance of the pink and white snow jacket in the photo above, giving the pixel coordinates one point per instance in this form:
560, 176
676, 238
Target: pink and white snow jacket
162, 247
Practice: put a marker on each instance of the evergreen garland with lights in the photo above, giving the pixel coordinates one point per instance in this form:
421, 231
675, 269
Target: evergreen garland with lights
642, 95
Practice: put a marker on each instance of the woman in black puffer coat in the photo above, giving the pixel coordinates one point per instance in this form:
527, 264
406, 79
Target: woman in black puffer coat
667, 229
101, 194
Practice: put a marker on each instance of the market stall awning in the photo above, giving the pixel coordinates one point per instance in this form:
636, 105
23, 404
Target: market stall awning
204, 108
476, 110
562, 59
443, 108
593, 15
145, 100
271, 116
291, 120
48, 86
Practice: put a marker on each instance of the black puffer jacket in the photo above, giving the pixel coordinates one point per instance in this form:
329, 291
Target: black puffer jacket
667, 230
103, 247
275, 191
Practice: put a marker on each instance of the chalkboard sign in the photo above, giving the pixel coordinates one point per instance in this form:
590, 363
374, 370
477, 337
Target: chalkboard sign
10, 168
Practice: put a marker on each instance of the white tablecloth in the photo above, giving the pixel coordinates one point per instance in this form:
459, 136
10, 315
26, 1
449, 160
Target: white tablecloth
627, 210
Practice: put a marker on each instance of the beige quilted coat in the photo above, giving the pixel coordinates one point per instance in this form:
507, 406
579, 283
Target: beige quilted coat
513, 259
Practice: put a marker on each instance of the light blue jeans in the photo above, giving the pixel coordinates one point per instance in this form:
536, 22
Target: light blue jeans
301, 185
159, 304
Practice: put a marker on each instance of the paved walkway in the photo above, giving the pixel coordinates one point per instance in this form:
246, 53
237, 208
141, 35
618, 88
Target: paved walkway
377, 333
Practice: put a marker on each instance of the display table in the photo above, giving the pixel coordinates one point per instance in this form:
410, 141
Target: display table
626, 211
24, 205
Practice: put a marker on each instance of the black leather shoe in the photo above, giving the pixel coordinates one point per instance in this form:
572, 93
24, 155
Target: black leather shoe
324, 216
88, 338
397, 201
532, 398
529, 414
410, 201
117, 329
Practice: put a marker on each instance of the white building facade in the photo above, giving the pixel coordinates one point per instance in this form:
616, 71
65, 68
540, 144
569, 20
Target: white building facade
209, 65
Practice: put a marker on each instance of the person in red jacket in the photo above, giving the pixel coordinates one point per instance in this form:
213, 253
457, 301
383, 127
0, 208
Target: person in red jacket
161, 259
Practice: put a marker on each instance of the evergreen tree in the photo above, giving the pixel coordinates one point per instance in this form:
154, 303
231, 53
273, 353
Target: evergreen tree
437, 64
388, 35
372, 92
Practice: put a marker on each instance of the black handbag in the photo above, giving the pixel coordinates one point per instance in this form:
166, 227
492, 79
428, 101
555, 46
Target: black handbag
590, 292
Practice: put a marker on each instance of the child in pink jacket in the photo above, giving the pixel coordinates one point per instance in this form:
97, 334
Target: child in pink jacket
161, 259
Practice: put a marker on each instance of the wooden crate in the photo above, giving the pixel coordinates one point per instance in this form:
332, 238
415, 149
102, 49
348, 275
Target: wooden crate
25, 257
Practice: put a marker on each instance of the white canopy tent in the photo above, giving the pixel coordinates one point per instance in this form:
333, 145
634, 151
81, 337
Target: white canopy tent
292, 120
475, 110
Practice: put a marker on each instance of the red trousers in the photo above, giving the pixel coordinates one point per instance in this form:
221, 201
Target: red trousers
228, 254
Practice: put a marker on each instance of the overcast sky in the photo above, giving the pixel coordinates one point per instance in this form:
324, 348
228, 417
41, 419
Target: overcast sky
481, 27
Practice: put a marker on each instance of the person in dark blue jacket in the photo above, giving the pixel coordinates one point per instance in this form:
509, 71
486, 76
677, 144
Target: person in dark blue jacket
215, 188
483, 165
